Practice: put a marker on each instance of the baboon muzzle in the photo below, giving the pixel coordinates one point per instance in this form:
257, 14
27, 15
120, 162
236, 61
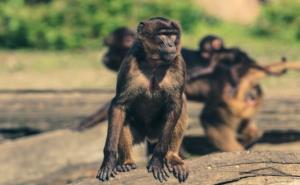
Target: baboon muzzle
168, 53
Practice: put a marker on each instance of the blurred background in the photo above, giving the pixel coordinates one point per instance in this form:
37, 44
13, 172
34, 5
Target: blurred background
51, 74
46, 43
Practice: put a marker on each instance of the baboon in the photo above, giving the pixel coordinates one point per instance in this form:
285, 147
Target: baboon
200, 58
149, 103
118, 42
199, 65
196, 90
198, 85
228, 114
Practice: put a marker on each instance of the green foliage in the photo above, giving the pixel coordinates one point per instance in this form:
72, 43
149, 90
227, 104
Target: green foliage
61, 24
279, 18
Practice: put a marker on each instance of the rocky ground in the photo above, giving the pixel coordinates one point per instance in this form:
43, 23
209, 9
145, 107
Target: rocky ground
52, 154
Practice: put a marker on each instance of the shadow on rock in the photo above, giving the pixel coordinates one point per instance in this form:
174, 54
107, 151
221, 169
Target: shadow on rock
13, 133
200, 145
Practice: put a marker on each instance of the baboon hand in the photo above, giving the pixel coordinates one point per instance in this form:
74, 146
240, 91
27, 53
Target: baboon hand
157, 167
108, 168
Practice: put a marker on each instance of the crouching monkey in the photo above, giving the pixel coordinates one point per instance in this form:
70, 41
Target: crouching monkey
149, 104
228, 115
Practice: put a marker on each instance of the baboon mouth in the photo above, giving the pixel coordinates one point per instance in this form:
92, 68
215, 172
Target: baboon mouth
169, 56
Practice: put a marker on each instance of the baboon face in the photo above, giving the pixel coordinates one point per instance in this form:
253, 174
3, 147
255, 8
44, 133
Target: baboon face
210, 44
122, 38
160, 38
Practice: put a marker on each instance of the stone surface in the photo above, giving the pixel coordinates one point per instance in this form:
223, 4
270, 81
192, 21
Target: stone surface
34, 157
240, 168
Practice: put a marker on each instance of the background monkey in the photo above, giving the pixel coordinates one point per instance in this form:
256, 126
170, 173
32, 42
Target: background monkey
149, 103
228, 114
118, 42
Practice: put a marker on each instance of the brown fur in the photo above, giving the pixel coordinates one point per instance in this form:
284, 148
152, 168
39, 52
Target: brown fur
228, 113
149, 103
197, 61
118, 42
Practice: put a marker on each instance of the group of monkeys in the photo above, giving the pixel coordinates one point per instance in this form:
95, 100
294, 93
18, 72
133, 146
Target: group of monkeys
156, 77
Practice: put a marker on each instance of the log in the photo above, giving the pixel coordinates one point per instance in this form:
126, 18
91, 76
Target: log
237, 168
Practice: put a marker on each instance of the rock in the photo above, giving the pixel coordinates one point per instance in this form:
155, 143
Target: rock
239, 168
31, 158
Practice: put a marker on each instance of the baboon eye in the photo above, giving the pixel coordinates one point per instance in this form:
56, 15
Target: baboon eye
173, 38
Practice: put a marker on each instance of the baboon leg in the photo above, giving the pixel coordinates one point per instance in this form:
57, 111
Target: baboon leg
116, 121
174, 161
94, 119
224, 138
126, 162
250, 133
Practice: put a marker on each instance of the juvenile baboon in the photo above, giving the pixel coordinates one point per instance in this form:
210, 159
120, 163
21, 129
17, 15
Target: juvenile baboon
228, 114
199, 65
200, 58
149, 103
118, 42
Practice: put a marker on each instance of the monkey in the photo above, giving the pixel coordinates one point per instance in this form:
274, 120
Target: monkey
198, 65
198, 81
118, 42
200, 58
149, 103
196, 90
228, 113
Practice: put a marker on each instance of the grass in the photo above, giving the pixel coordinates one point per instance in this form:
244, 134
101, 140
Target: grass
23, 69
50, 69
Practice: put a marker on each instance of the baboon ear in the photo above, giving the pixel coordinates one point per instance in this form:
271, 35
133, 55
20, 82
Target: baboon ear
176, 25
140, 27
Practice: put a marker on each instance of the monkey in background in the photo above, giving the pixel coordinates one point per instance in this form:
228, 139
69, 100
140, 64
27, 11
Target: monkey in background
118, 42
227, 116
196, 90
149, 104
198, 64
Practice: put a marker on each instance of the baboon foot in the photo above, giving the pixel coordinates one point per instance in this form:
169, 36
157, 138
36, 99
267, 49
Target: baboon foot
178, 167
108, 167
157, 167
126, 166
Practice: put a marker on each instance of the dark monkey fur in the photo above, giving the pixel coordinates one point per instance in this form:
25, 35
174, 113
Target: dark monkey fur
149, 104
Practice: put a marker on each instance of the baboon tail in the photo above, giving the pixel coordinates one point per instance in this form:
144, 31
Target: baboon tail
96, 118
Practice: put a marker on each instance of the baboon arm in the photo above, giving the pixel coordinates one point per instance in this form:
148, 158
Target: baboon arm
171, 118
199, 71
115, 123
254, 75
